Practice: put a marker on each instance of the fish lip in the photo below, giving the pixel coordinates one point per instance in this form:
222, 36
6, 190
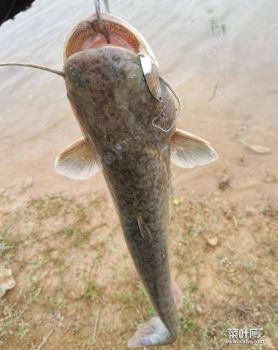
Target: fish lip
110, 20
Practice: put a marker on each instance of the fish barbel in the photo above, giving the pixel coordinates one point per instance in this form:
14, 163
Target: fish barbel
127, 116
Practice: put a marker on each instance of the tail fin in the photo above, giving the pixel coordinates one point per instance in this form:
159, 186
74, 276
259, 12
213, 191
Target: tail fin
151, 333
154, 332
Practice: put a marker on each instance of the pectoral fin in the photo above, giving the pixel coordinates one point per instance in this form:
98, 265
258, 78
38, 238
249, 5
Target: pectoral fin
188, 150
77, 161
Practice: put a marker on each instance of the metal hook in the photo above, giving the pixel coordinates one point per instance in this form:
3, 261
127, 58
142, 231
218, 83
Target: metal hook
106, 4
101, 26
178, 110
174, 93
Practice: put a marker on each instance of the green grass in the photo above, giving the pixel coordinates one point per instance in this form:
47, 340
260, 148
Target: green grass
34, 296
54, 304
12, 322
81, 212
189, 322
91, 291
124, 297
77, 236
269, 211
8, 243
48, 206
22, 329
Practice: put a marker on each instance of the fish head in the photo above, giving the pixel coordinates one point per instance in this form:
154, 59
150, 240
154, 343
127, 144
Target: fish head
107, 88
91, 33
86, 35
113, 89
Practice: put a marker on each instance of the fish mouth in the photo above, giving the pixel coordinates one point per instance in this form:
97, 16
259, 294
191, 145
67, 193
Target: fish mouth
86, 35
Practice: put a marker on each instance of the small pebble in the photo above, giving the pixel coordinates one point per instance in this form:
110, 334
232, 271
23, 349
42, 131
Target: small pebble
6, 281
213, 241
258, 149
224, 183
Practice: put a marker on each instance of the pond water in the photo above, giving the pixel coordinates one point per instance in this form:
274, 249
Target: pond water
220, 56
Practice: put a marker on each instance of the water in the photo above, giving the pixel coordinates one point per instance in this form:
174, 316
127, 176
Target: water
221, 57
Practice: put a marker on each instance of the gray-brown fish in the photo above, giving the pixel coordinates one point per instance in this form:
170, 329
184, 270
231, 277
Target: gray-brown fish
127, 117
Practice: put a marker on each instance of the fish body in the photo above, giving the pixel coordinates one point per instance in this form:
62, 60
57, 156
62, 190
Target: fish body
106, 86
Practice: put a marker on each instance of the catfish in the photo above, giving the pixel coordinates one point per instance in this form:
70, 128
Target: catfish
127, 115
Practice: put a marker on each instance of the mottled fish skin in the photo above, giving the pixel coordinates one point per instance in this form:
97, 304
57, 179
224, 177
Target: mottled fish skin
115, 110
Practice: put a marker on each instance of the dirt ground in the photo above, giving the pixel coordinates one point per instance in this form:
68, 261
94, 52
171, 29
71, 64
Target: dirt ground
76, 287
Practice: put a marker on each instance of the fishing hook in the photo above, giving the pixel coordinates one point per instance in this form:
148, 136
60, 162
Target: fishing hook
174, 93
101, 25
178, 110
153, 80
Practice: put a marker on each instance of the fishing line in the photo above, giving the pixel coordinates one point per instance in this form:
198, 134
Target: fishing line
178, 110
174, 93
29, 65
102, 27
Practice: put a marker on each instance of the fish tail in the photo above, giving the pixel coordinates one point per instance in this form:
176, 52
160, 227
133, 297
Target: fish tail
151, 333
154, 332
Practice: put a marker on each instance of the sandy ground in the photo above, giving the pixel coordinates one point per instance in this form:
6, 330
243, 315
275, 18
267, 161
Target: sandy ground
76, 287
